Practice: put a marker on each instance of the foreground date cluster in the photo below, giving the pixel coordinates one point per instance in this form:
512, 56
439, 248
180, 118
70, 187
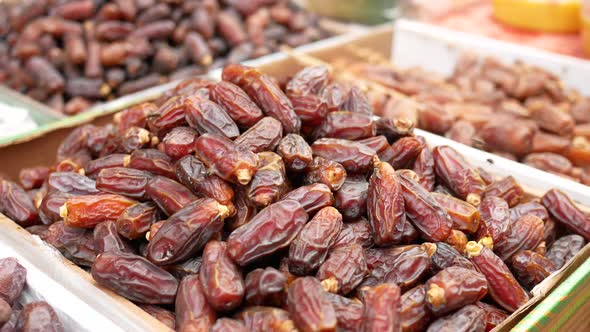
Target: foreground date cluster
14, 316
252, 204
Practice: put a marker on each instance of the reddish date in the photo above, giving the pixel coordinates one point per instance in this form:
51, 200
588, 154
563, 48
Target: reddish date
16, 204
87, 211
381, 308
38, 316
312, 197
295, 151
12, 279
236, 102
355, 157
124, 181
561, 207
193, 312
270, 181
351, 198
468, 318
263, 136
453, 288
325, 171
168, 194
265, 287
347, 264
531, 268
310, 308
457, 174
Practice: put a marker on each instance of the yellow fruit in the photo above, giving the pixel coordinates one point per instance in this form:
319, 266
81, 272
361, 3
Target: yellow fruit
540, 15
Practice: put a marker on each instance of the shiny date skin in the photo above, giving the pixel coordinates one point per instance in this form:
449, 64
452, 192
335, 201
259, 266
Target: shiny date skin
12, 279
259, 318
414, 313
507, 189
262, 136
526, 233
151, 160
38, 316
563, 209
228, 325
495, 219
312, 197
107, 239
468, 318
270, 181
168, 194
33, 177
531, 268
325, 171
453, 288
113, 160
226, 159
351, 198
86, 211
208, 117
355, 157
430, 218
385, 205
124, 181
265, 287
465, 216
403, 152
424, 167
16, 204
70, 182
165, 317
309, 80
136, 220
381, 308
346, 125
179, 142
532, 207
295, 151
221, 279
273, 228
347, 264
309, 307
236, 102
135, 278
310, 248
348, 312
193, 312
493, 315
186, 231
245, 210
564, 248
452, 169
502, 286
446, 256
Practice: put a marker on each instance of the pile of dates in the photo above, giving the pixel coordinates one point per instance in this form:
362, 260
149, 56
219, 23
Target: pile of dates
519, 112
70, 54
251, 205
34, 316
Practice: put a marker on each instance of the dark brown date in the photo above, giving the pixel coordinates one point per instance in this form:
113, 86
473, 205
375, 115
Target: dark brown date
468, 318
134, 277
424, 167
263, 136
136, 220
208, 117
381, 308
351, 198
309, 307
295, 151
221, 279
270, 181
151, 160
355, 157
75, 244
311, 109
273, 228
228, 325
453, 288
325, 171
245, 210
495, 219
165, 317
168, 194
193, 312
16, 204
187, 231
236, 102
265, 287
465, 216
107, 239
265, 93
414, 313
312, 197
72, 183
426, 214
33, 177
458, 175
124, 181
12, 279
38, 316
226, 159
310, 248
526, 233
403, 152
310, 80
564, 248
507, 189
347, 264
93, 167
348, 312
493, 315
357, 101
266, 319
346, 125
561, 207
531, 268
179, 142
169, 115
502, 286
446, 256
385, 205
361, 231
532, 207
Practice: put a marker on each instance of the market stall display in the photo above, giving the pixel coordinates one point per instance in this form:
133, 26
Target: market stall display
137, 200
72, 54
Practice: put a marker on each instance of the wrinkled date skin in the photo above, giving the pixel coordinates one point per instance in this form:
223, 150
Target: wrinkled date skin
430, 218
270, 181
532, 207
165, 317
312, 197
507, 189
465, 216
225, 159
349, 313
493, 315
245, 210
135, 278
193, 312
564, 248
309, 307
106, 239
263, 136
457, 174
325, 171
76, 244
136, 220
222, 280
310, 248
351, 198
236, 102
124, 181
361, 232
271, 229
72, 183
113, 160
308, 80
153, 161
408, 268
453, 288
403, 152
193, 174
355, 157
531, 268
295, 151
266, 319
495, 219
414, 313
346, 125
424, 167
179, 142
228, 325
347, 264
527, 233
265, 287
446, 256
186, 231
33, 177
561, 207
385, 205
265, 93
168, 194
87, 211
381, 308
16, 204
38, 316
468, 318
502, 285
208, 117
12, 279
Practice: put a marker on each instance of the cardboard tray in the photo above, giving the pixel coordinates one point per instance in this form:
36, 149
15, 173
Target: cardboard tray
41, 150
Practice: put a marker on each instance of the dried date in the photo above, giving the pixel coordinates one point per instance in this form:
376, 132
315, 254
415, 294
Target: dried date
325, 171
355, 157
222, 281
453, 288
193, 312
263, 136
168, 194
87, 211
295, 151
381, 308
531, 268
